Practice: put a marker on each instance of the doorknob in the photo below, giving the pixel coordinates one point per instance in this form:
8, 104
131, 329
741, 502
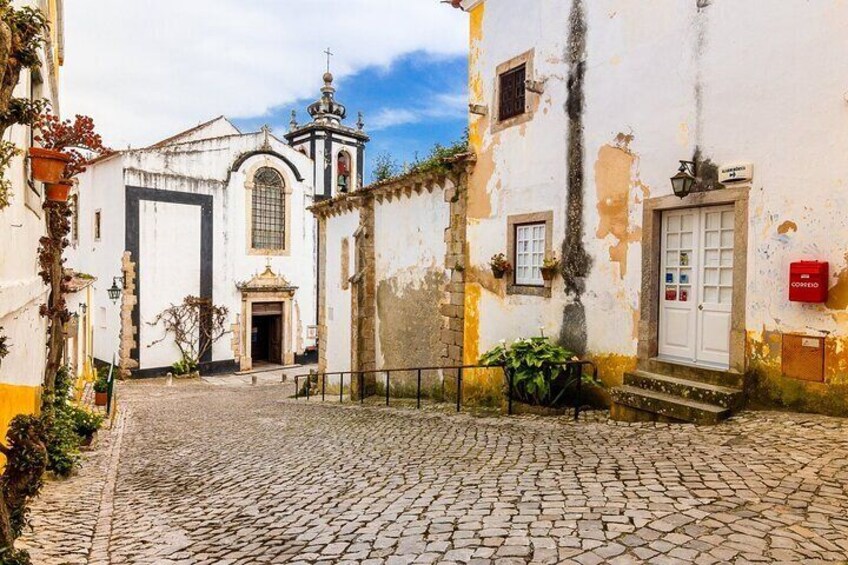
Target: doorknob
700, 306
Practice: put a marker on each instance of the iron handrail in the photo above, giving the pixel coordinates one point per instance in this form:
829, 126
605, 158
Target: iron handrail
573, 368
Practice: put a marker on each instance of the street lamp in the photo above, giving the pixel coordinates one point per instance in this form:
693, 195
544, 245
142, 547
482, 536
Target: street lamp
684, 180
83, 307
115, 291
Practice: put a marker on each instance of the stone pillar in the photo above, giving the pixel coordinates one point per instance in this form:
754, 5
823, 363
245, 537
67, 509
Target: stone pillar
452, 308
129, 331
364, 295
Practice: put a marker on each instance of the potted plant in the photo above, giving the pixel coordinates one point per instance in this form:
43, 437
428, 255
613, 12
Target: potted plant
101, 388
500, 266
549, 268
75, 141
86, 425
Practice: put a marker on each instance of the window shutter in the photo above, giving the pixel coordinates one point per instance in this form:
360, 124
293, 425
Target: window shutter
512, 93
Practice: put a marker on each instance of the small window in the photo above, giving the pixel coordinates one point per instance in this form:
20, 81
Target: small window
268, 213
512, 93
529, 254
97, 225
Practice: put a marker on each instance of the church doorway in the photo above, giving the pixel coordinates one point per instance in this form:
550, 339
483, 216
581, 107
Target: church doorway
266, 335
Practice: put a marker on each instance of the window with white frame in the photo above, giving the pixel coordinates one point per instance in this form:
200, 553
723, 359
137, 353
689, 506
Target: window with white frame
529, 254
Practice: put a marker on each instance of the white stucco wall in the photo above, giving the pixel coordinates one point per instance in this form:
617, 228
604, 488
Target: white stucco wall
339, 229
760, 82
410, 248
169, 241
22, 291
101, 187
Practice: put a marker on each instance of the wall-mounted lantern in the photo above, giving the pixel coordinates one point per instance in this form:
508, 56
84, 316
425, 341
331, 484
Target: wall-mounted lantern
114, 291
83, 307
684, 180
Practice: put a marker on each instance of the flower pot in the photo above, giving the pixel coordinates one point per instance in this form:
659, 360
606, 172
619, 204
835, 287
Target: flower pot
499, 273
548, 273
58, 191
100, 398
47, 165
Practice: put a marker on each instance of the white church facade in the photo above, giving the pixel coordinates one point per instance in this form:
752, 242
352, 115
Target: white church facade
219, 214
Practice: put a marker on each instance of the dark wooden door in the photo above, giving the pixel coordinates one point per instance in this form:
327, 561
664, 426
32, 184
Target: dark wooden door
275, 341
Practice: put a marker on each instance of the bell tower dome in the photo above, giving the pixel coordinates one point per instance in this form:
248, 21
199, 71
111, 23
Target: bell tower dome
337, 150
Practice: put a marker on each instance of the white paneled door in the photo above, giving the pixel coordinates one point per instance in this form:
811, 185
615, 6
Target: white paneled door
696, 285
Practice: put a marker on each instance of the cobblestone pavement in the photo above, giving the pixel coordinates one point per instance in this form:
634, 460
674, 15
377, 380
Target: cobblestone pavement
221, 474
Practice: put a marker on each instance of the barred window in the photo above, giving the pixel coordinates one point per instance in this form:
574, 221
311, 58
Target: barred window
268, 210
512, 93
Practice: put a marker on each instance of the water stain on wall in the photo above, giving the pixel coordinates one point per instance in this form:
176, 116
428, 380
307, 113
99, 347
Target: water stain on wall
613, 182
471, 338
837, 295
409, 320
575, 261
786, 227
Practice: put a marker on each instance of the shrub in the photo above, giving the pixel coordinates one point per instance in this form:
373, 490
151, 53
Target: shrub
536, 364
101, 384
184, 366
85, 422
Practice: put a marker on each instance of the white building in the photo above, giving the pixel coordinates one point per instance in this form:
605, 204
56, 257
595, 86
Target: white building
22, 292
215, 213
580, 112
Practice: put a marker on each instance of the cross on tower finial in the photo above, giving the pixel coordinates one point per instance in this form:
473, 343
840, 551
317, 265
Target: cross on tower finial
329, 54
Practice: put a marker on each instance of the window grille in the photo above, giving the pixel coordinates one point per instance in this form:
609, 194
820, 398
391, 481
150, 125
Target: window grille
268, 210
529, 254
512, 93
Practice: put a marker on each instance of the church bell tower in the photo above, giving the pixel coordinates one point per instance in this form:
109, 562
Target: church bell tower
337, 150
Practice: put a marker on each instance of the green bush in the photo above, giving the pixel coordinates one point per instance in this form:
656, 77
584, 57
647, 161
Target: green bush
85, 422
538, 374
101, 384
184, 366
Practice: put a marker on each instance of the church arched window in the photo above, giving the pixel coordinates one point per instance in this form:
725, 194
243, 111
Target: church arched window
268, 212
344, 168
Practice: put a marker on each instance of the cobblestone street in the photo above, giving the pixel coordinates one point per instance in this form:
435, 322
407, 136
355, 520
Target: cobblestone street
201, 473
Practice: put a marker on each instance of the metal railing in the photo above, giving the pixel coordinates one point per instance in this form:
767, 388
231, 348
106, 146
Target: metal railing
110, 391
573, 371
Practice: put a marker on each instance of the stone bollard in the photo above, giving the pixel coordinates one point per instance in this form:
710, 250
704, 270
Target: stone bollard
169, 381
253, 380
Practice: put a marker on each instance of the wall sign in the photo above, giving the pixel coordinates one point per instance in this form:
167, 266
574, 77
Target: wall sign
736, 172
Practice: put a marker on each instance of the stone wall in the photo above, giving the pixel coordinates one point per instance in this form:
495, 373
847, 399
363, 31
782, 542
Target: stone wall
129, 332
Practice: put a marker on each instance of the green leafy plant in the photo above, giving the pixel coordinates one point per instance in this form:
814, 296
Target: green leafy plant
8, 151
184, 366
385, 167
85, 422
62, 441
101, 383
537, 366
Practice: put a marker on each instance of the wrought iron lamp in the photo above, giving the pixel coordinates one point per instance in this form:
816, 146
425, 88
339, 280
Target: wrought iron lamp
115, 291
684, 180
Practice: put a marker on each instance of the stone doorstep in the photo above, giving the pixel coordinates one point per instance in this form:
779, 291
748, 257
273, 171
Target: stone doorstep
723, 396
693, 372
668, 405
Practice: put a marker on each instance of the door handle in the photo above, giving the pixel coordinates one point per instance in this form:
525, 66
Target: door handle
700, 306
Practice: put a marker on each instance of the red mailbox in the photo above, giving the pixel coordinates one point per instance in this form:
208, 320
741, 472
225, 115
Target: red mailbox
808, 281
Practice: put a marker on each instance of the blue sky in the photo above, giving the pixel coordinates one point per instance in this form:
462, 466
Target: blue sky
418, 100
160, 67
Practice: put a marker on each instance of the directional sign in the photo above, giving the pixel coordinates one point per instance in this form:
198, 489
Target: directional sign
736, 172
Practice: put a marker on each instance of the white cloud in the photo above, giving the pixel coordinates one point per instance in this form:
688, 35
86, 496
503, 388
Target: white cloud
145, 69
438, 106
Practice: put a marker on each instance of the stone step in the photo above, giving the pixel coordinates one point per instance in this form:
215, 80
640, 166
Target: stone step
669, 406
686, 371
723, 396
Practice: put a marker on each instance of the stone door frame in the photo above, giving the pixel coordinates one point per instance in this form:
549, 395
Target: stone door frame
652, 210
248, 299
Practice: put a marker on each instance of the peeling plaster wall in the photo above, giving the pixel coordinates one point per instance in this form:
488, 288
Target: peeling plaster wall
200, 166
338, 300
410, 253
664, 81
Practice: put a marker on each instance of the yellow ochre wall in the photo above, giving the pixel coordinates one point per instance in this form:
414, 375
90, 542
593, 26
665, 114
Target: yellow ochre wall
14, 400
